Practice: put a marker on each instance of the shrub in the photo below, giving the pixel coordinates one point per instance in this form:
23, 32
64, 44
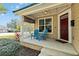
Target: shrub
4, 42
9, 47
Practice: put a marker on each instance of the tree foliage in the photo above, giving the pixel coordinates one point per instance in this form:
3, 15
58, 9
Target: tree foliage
2, 9
13, 25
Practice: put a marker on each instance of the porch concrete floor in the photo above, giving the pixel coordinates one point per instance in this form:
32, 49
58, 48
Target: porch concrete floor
52, 44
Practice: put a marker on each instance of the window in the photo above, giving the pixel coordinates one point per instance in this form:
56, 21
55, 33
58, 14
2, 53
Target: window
41, 22
41, 25
45, 23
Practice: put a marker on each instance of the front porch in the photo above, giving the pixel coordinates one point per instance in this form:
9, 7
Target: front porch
49, 17
54, 17
58, 18
50, 44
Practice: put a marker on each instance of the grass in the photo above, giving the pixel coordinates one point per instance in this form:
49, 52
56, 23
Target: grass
7, 35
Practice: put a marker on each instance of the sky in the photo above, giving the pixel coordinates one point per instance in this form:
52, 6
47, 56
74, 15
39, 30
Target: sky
9, 15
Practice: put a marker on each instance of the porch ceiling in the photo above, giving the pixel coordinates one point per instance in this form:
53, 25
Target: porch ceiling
49, 11
43, 9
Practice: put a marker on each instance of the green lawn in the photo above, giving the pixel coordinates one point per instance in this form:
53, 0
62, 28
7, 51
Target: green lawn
7, 35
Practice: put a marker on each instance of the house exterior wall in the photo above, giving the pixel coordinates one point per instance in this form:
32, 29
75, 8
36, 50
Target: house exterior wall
36, 24
54, 33
55, 27
75, 16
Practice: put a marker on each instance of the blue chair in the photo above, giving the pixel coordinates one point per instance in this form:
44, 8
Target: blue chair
35, 34
39, 36
43, 35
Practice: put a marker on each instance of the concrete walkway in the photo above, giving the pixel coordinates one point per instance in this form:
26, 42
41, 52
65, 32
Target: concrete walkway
51, 52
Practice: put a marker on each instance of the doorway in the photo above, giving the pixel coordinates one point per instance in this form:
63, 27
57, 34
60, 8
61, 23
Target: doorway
64, 26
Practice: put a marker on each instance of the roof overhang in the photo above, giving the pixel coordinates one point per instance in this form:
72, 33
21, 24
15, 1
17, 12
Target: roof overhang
25, 7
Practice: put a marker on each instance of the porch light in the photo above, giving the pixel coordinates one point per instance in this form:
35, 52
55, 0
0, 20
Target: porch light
37, 16
45, 12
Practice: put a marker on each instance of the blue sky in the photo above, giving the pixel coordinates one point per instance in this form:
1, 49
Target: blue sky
6, 18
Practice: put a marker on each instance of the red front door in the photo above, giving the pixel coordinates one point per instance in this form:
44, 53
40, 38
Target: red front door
64, 27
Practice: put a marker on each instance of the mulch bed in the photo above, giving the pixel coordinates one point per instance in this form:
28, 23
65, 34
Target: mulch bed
27, 52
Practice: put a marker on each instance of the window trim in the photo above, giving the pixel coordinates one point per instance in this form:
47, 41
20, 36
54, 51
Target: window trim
44, 25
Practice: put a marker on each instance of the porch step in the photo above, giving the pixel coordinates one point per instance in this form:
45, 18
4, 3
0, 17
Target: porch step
51, 52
